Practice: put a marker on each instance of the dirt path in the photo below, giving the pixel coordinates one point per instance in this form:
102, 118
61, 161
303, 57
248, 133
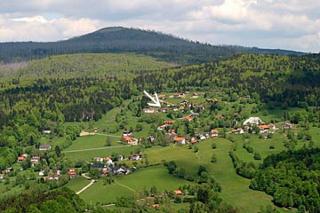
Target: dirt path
86, 187
125, 186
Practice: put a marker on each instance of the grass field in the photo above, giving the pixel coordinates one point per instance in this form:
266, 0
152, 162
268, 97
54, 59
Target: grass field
235, 189
128, 185
77, 183
89, 142
86, 155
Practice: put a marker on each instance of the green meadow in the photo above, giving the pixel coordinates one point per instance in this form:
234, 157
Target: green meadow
131, 185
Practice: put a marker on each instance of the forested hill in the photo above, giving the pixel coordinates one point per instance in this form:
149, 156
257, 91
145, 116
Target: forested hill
119, 39
82, 65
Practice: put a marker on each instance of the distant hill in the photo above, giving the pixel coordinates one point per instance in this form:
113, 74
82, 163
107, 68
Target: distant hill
82, 65
120, 39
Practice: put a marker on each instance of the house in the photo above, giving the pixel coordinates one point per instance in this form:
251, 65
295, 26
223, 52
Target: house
98, 159
264, 128
44, 147
155, 206
121, 171
180, 140
171, 134
238, 131
120, 158
188, 118
288, 125
8, 170
178, 192
149, 110
84, 133
130, 140
105, 171
193, 140
108, 161
127, 134
46, 131
162, 96
195, 95
135, 157
52, 175
201, 136
252, 121
41, 173
22, 157
35, 160
72, 173
214, 133
168, 122
162, 127
151, 139
267, 128
164, 110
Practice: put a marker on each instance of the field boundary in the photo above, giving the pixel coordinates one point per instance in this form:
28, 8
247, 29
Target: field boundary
94, 149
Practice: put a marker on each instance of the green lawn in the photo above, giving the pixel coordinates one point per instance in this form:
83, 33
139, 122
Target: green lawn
235, 189
87, 155
132, 184
89, 142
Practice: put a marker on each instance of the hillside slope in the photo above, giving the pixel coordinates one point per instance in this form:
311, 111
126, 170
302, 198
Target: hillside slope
87, 65
119, 39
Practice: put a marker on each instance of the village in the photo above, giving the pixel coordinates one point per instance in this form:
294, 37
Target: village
121, 165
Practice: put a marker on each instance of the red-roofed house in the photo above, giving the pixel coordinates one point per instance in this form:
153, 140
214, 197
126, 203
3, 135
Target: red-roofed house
178, 192
130, 140
188, 118
179, 140
214, 133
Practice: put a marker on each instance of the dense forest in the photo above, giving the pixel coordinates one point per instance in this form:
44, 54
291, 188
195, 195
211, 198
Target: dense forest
122, 40
38, 199
292, 178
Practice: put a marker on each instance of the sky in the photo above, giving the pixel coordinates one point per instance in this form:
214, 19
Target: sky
285, 24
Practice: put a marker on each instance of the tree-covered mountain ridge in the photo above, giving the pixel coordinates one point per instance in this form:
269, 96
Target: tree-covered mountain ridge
276, 80
120, 40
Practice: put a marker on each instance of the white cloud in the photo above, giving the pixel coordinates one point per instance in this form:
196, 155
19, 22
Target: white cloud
39, 28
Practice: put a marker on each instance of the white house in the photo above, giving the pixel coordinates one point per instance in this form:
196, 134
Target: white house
41, 173
46, 131
252, 121
135, 157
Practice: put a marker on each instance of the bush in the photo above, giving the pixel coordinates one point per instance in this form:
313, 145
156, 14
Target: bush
213, 158
257, 156
214, 146
195, 149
